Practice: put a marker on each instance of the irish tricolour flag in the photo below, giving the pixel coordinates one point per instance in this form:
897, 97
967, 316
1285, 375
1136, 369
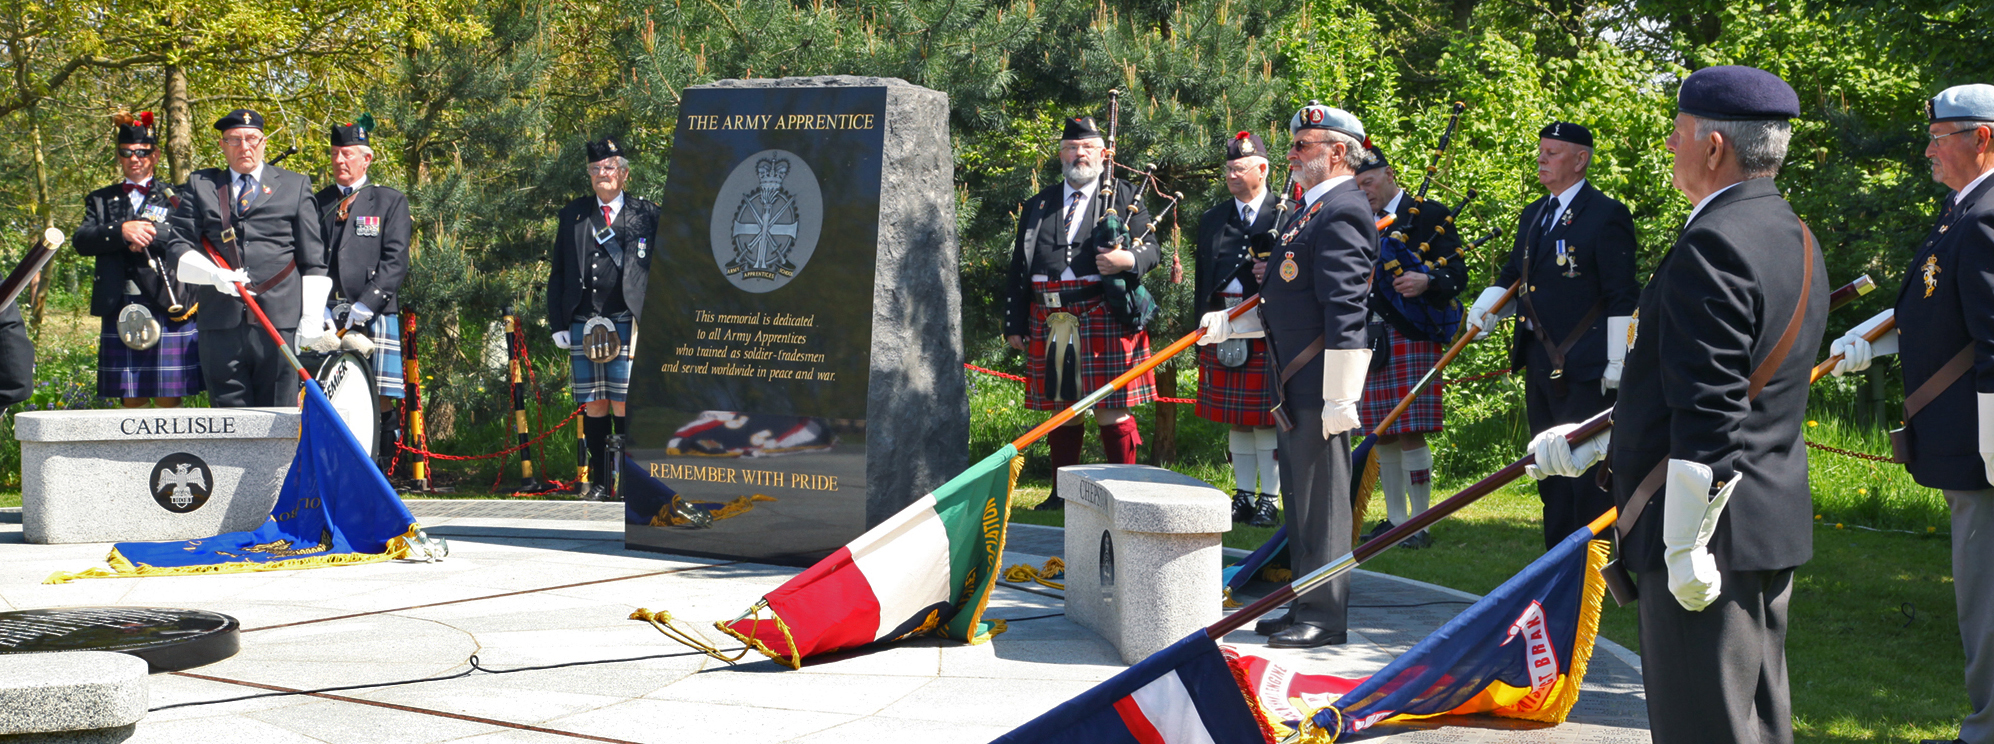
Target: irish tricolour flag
928, 569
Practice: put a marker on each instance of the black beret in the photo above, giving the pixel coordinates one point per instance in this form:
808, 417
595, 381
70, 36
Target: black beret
1565, 131
1245, 145
355, 133
240, 118
1737, 93
1377, 159
606, 148
1080, 127
136, 130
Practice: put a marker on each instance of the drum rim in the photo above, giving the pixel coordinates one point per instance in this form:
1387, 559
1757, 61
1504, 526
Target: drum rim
373, 390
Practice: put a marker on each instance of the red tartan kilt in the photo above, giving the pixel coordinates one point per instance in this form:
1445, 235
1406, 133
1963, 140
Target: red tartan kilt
1235, 395
1107, 349
1383, 388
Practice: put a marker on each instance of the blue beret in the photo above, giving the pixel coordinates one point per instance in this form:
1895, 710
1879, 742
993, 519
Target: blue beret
1317, 116
1962, 103
1737, 93
1566, 131
240, 118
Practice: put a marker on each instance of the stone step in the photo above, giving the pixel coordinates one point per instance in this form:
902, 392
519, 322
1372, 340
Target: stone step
43, 693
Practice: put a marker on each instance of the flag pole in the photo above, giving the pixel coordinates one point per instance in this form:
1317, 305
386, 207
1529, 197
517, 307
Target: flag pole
1828, 365
1349, 561
257, 308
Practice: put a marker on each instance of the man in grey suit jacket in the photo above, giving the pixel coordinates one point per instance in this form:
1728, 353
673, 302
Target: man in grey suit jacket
263, 222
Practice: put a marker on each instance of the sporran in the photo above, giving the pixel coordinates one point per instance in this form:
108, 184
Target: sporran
137, 328
600, 342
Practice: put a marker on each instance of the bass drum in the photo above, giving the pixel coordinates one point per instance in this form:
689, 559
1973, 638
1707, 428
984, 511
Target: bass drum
349, 383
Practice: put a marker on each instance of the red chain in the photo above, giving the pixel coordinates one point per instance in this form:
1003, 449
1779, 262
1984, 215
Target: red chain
1849, 453
500, 453
1473, 378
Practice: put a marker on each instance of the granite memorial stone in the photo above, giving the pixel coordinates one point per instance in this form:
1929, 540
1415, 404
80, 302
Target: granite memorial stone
1144, 548
83, 691
798, 370
157, 474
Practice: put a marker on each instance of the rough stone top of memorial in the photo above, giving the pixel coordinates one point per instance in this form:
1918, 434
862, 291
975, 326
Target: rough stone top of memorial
814, 81
1141, 498
70, 691
156, 423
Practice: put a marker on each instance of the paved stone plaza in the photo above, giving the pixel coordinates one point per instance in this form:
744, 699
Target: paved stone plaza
539, 593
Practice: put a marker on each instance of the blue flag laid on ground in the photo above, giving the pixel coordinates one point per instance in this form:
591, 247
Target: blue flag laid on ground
1184, 693
335, 509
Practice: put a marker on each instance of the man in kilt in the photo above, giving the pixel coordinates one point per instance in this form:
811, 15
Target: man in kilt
1574, 257
1414, 314
1232, 377
367, 227
1055, 301
600, 265
121, 225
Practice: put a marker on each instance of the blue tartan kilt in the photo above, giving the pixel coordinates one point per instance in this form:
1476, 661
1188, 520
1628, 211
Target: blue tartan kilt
592, 381
171, 369
386, 332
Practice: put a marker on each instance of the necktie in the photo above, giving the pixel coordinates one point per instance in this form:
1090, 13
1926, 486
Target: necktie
605, 214
1550, 210
245, 195
132, 188
1072, 211
346, 191
1246, 216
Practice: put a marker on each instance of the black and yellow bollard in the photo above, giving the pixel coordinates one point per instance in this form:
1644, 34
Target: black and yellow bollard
417, 438
515, 346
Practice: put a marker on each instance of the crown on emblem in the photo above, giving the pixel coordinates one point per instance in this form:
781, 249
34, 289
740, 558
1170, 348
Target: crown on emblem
771, 172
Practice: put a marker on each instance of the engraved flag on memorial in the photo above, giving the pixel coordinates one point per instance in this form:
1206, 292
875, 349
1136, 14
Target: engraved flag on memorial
929, 568
335, 508
1520, 652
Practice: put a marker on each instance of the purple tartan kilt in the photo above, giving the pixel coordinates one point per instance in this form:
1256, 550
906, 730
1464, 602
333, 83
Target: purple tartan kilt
171, 369
1235, 395
1106, 350
1384, 387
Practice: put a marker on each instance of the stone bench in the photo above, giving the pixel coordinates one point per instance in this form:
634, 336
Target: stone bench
151, 474
1143, 553
83, 692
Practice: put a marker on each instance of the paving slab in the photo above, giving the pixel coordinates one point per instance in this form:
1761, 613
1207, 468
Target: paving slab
539, 594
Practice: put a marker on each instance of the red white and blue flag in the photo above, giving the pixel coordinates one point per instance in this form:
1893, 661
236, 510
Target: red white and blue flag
1184, 694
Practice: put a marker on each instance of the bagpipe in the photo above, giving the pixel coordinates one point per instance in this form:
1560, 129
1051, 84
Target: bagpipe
1436, 320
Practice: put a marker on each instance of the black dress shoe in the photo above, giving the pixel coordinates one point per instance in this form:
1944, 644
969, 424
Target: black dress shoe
1272, 625
1383, 526
1420, 540
1265, 513
1242, 505
1051, 503
599, 492
1307, 635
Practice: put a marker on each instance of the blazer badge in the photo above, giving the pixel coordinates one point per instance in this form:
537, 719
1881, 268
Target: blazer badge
1288, 268
1931, 272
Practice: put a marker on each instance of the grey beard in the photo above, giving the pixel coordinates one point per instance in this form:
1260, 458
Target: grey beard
1080, 173
1313, 171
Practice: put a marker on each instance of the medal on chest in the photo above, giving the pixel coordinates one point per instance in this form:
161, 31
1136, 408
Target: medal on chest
640, 248
1288, 268
156, 213
1931, 272
367, 227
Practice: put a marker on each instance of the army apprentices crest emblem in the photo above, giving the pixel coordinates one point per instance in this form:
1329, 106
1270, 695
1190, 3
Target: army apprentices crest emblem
1288, 268
766, 220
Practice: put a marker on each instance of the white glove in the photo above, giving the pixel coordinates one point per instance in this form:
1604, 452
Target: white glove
561, 340
1483, 316
313, 320
1556, 457
359, 315
195, 268
1619, 338
1219, 328
1986, 401
1689, 518
1342, 386
1856, 353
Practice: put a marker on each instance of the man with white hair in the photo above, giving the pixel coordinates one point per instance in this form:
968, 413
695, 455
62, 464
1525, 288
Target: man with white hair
1233, 377
1945, 328
599, 267
1708, 458
1574, 256
262, 221
1056, 306
367, 229
1313, 289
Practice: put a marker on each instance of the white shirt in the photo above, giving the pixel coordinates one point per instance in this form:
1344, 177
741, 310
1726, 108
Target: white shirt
137, 198
615, 206
235, 181
1961, 194
357, 185
1706, 201
1392, 207
1565, 200
1309, 197
1087, 196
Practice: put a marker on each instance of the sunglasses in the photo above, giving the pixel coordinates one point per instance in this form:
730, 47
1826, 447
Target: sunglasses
1299, 145
134, 153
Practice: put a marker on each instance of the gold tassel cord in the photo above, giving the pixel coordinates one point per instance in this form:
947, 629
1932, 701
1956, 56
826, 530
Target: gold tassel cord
1360, 499
663, 621
1023, 572
402, 546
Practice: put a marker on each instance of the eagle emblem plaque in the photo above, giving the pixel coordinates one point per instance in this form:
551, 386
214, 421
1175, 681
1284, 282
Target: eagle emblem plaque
181, 482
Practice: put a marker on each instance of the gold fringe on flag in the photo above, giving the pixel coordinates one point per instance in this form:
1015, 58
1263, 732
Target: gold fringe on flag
120, 568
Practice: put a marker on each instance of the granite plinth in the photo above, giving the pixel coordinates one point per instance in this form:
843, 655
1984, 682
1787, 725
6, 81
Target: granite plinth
1143, 554
72, 691
156, 474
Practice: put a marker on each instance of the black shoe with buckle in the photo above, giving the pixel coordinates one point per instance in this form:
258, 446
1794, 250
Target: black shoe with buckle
1307, 635
1265, 513
1242, 506
1383, 526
